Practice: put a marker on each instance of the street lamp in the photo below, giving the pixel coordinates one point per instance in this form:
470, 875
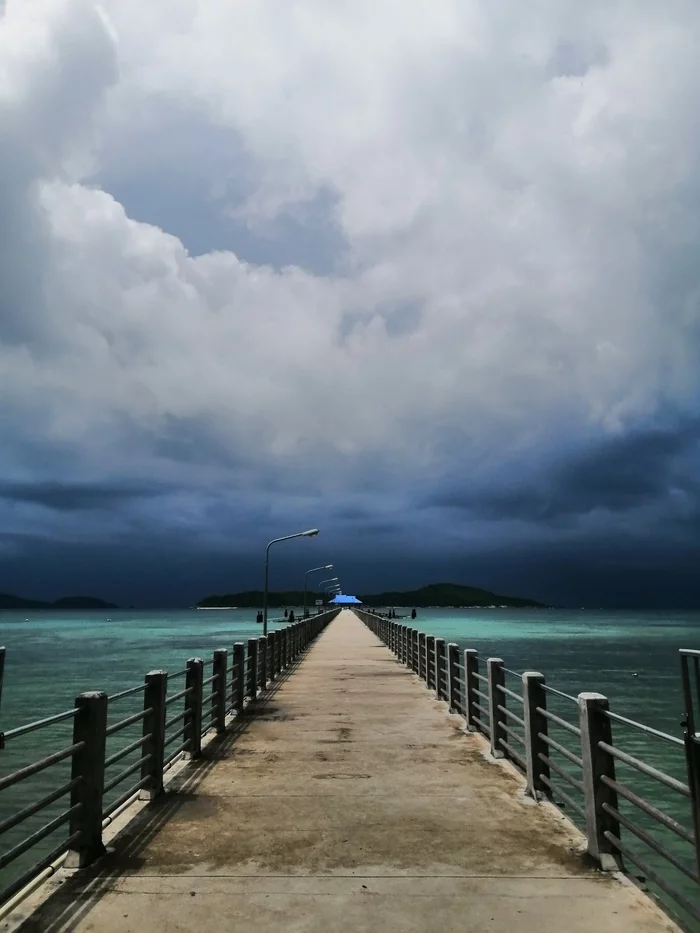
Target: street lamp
306, 577
312, 532
333, 589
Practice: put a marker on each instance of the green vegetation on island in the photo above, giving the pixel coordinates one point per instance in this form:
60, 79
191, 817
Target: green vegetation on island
451, 595
7, 601
253, 599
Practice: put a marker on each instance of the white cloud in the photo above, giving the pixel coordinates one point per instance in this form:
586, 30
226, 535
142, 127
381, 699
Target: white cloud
515, 189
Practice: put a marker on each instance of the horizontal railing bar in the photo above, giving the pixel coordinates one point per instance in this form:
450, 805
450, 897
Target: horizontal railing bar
512, 733
171, 761
125, 796
574, 759
174, 736
511, 715
40, 866
178, 696
559, 693
33, 808
652, 843
37, 724
178, 673
482, 725
110, 785
673, 739
510, 693
185, 714
562, 723
126, 693
11, 854
178, 751
649, 809
480, 677
514, 673
562, 772
646, 769
209, 680
653, 876
516, 756
484, 696
23, 773
130, 720
569, 801
480, 708
117, 756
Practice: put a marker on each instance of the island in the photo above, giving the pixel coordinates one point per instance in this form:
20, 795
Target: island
450, 596
7, 601
437, 595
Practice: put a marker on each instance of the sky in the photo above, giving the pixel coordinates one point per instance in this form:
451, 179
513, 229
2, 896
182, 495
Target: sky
422, 274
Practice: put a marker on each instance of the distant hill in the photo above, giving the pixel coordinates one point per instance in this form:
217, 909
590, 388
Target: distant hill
437, 594
253, 599
7, 601
449, 595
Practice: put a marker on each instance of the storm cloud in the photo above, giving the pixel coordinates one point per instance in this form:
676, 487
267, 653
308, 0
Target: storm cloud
422, 275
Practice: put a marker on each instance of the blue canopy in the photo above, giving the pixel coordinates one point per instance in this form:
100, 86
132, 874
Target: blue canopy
340, 599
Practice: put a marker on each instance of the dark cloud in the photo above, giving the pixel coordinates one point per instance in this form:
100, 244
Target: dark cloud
76, 497
618, 475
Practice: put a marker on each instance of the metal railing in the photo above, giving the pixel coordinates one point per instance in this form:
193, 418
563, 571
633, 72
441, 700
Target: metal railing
121, 747
565, 746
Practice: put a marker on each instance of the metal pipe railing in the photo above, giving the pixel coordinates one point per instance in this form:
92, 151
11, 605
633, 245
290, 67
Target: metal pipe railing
88, 812
483, 700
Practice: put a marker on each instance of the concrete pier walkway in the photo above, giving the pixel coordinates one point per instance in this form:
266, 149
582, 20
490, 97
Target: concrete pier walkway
346, 799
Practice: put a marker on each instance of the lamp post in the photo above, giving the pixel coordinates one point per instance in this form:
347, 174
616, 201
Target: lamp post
306, 577
324, 584
333, 589
300, 534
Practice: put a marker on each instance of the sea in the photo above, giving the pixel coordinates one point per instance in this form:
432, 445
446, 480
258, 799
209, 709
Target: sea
630, 657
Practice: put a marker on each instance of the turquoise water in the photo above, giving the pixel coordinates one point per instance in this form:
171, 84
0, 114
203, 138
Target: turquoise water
632, 658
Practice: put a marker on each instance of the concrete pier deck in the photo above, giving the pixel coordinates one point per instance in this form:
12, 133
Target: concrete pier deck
346, 799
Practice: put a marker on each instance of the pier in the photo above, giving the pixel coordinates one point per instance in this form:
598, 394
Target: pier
343, 796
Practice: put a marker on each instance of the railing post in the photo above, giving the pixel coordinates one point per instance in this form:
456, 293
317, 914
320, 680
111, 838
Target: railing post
597, 763
285, 648
439, 666
153, 734
452, 674
90, 729
218, 702
193, 706
416, 654
422, 672
252, 668
534, 699
238, 675
262, 661
272, 655
404, 643
471, 683
409, 646
496, 678
429, 661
